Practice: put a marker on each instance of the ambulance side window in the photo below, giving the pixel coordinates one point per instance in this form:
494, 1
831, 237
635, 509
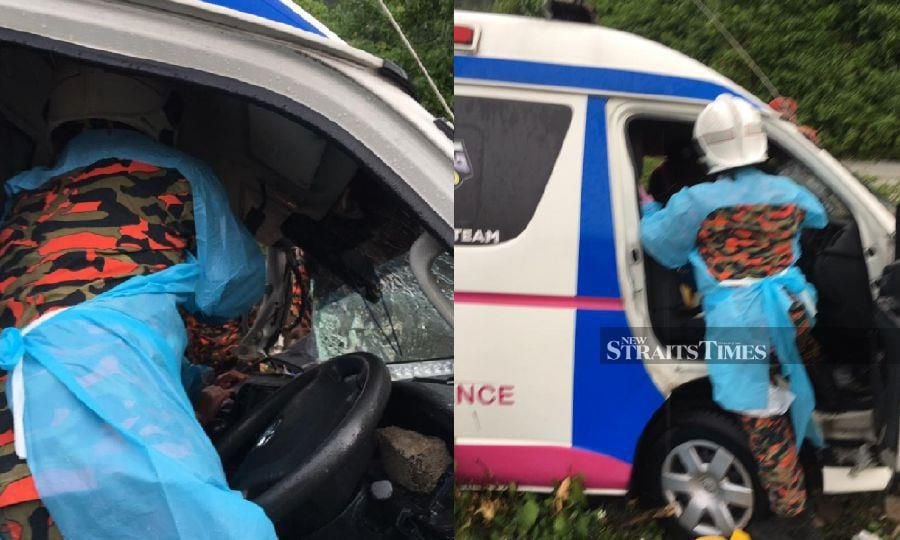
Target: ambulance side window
504, 155
665, 160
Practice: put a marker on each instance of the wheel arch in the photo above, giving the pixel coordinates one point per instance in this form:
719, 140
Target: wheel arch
692, 395
697, 395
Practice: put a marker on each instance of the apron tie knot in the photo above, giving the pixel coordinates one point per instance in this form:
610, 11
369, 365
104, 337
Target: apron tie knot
12, 348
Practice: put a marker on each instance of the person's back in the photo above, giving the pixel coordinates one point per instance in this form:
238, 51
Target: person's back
87, 231
100, 251
752, 224
79, 236
741, 236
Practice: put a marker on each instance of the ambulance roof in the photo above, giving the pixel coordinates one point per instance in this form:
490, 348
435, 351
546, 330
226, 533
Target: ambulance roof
276, 19
280, 11
549, 44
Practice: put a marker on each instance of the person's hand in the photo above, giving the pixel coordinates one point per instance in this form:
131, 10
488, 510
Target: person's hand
230, 379
643, 196
210, 401
215, 395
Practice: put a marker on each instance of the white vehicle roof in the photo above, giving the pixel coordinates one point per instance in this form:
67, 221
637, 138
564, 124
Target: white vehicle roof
279, 19
543, 41
280, 11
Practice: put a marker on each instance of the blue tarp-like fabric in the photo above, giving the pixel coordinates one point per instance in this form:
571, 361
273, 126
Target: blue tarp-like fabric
754, 314
112, 440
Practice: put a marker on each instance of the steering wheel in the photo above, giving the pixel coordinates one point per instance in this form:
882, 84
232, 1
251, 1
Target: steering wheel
312, 437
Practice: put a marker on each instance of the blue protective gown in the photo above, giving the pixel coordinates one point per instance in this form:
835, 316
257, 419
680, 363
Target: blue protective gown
756, 313
111, 437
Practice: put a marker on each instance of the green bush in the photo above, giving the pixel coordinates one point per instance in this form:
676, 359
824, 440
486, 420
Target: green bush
507, 513
428, 25
838, 58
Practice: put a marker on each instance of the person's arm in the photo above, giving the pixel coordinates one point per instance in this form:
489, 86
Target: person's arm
669, 233
816, 216
232, 267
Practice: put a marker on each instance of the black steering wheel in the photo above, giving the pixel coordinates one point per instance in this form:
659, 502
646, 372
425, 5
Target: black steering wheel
305, 448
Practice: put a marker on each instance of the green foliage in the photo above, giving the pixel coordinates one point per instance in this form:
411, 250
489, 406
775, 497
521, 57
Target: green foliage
510, 514
838, 58
427, 24
525, 7
888, 192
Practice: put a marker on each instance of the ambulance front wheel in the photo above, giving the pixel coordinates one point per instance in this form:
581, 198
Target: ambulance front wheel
701, 465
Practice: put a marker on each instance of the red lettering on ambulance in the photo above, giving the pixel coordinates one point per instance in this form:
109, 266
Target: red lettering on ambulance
491, 393
485, 394
465, 393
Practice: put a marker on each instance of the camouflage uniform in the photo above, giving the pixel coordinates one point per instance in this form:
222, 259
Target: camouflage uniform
755, 241
23, 515
214, 344
80, 235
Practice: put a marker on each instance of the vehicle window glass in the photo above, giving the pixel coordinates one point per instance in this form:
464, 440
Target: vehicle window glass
663, 156
403, 327
652, 142
504, 154
784, 164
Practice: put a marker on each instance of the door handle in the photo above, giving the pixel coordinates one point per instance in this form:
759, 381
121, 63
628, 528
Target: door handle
635, 270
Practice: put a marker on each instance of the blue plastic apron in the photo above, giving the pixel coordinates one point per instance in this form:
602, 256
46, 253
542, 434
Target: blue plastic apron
757, 311
110, 435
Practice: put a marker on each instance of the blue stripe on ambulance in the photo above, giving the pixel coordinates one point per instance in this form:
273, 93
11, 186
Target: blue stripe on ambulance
597, 274
592, 78
612, 401
274, 10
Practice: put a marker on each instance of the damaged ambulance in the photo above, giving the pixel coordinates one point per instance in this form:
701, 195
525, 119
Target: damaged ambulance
565, 324
341, 424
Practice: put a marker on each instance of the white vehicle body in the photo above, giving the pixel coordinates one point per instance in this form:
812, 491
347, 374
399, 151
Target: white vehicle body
536, 397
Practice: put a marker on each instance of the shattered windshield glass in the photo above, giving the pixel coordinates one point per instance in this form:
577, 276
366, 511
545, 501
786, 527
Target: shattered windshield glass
402, 327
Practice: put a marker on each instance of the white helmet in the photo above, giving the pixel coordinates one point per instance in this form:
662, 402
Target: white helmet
86, 92
729, 132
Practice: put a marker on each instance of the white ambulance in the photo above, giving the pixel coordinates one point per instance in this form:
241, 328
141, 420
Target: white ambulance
556, 124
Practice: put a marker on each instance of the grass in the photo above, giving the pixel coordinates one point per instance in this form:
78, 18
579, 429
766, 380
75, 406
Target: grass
507, 514
845, 515
566, 513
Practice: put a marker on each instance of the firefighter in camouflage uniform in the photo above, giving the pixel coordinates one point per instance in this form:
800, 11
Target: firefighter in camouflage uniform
741, 236
82, 234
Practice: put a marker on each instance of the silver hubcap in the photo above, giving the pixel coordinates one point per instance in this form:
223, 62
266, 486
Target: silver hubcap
712, 487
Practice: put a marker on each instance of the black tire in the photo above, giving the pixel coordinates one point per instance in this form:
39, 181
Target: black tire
709, 425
